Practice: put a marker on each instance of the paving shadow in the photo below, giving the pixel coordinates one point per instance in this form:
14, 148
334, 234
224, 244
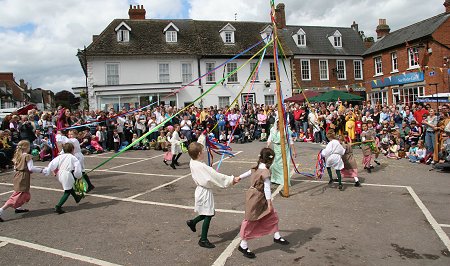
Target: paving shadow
108, 189
296, 238
227, 236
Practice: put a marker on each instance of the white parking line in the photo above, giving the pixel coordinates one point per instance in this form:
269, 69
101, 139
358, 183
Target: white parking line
171, 182
56, 251
120, 157
7, 192
437, 228
136, 162
444, 225
351, 183
2, 244
134, 173
133, 200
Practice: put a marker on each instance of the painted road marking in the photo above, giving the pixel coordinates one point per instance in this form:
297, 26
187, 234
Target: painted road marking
171, 182
134, 173
56, 251
2, 244
136, 162
134, 200
8, 192
444, 225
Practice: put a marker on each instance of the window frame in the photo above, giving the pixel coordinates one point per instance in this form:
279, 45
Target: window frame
171, 36
301, 39
394, 62
412, 52
302, 69
252, 67
123, 35
337, 41
327, 71
186, 78
272, 73
360, 69
226, 35
210, 78
338, 70
380, 72
160, 79
112, 79
220, 100
233, 78
269, 99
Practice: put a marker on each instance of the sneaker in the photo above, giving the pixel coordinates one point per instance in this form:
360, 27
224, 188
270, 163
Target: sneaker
281, 241
165, 162
59, 210
247, 253
191, 225
206, 244
341, 187
21, 210
90, 188
173, 166
78, 198
357, 184
377, 162
177, 164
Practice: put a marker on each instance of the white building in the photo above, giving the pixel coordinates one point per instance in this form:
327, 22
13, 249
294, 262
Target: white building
136, 62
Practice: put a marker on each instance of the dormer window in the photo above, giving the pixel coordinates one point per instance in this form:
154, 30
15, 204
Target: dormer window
266, 33
336, 39
300, 38
227, 34
123, 32
171, 32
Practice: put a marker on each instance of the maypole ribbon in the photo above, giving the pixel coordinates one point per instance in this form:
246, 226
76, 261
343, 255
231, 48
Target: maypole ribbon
182, 110
320, 165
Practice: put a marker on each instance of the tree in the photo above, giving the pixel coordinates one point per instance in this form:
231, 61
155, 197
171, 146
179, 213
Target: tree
66, 99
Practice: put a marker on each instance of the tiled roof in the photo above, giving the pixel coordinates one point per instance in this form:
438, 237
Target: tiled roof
410, 33
202, 38
317, 42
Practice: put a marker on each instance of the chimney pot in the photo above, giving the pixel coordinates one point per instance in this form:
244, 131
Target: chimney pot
382, 28
137, 12
447, 6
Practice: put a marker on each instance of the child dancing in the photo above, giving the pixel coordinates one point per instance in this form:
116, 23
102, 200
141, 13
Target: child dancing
260, 217
205, 178
350, 169
69, 168
332, 153
23, 165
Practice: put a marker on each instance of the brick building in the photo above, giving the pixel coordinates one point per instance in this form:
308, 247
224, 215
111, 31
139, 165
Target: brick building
324, 57
410, 63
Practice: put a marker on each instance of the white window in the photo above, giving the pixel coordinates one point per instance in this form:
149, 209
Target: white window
305, 69
256, 74
123, 36
337, 41
394, 62
164, 73
407, 95
171, 36
323, 69
272, 73
301, 40
341, 73
379, 97
358, 69
378, 65
186, 73
269, 100
230, 68
224, 101
112, 74
228, 37
413, 56
211, 77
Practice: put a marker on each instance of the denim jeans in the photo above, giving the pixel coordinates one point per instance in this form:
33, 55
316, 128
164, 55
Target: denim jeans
429, 141
305, 127
413, 158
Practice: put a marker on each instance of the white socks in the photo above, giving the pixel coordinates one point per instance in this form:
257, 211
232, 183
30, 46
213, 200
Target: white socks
1, 211
244, 244
277, 235
356, 179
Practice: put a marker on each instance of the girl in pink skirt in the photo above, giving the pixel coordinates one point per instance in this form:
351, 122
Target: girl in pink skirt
23, 166
260, 217
350, 167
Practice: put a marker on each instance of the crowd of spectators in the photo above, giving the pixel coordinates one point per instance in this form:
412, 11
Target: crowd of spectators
416, 132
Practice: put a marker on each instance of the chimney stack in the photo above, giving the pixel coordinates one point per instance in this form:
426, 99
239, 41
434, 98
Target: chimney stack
447, 6
136, 12
280, 16
6, 76
355, 27
382, 28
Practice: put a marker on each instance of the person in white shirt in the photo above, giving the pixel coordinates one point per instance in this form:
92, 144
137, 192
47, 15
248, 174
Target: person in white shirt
186, 127
333, 153
205, 177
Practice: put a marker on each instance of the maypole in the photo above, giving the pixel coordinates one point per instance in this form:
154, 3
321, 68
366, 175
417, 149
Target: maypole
281, 124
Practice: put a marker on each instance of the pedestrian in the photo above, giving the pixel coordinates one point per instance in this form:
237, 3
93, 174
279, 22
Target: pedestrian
260, 216
23, 165
350, 169
69, 168
205, 177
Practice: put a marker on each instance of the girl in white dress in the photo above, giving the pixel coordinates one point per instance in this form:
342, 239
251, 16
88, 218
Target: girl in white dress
333, 157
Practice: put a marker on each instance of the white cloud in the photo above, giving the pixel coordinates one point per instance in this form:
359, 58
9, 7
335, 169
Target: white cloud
44, 53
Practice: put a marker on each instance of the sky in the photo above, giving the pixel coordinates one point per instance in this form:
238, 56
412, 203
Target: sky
39, 39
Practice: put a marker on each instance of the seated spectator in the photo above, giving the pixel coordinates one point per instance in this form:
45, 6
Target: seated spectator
263, 136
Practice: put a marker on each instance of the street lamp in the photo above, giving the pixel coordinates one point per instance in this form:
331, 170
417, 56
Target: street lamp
437, 96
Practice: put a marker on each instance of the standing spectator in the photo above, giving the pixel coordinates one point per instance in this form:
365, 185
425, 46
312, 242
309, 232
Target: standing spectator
419, 113
430, 124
